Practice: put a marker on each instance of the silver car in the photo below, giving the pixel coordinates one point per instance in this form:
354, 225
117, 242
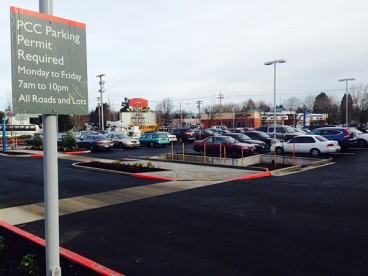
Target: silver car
123, 141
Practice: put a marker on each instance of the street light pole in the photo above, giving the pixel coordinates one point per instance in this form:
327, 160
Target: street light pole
101, 90
274, 91
346, 99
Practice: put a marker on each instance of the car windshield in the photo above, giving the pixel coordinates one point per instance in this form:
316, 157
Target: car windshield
122, 136
289, 129
321, 138
264, 135
244, 137
229, 140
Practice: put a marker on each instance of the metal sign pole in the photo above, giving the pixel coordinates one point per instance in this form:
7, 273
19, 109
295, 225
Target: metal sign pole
50, 171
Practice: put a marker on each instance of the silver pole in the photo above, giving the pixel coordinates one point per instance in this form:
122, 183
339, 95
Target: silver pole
274, 90
274, 100
102, 90
347, 99
50, 170
346, 106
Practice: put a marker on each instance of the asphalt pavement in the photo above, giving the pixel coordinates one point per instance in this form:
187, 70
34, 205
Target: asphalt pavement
309, 223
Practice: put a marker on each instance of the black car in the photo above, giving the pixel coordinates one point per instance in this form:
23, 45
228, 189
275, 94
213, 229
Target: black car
184, 134
260, 146
203, 133
262, 136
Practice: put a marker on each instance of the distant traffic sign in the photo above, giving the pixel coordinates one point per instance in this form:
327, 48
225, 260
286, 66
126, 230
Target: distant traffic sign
49, 64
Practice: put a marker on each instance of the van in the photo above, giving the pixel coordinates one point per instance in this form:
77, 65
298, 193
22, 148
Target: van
283, 133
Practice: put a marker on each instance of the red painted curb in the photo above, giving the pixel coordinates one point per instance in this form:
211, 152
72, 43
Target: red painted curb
64, 252
252, 176
74, 152
147, 176
36, 155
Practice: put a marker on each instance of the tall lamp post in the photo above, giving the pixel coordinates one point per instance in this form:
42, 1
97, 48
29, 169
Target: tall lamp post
101, 90
346, 99
274, 91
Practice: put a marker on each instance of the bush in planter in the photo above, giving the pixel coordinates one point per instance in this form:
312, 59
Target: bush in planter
68, 142
37, 142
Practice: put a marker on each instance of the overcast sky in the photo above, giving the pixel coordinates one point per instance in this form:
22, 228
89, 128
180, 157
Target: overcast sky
191, 50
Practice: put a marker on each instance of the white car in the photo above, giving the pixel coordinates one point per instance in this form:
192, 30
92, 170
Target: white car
361, 136
172, 137
314, 145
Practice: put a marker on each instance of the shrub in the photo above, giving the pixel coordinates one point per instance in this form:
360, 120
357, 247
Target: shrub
68, 142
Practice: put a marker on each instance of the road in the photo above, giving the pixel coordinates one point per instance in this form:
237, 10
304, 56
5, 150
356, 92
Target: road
310, 223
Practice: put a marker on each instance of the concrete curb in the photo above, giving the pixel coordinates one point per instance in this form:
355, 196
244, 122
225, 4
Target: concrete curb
137, 175
63, 252
252, 176
28, 154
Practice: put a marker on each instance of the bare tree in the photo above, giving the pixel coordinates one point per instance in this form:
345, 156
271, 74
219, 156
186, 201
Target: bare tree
359, 95
292, 104
212, 112
164, 110
309, 103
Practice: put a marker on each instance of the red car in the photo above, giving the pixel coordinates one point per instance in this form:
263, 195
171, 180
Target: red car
233, 147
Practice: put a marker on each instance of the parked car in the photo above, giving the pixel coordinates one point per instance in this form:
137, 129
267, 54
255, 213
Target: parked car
314, 145
220, 131
362, 137
122, 140
212, 145
283, 133
262, 136
151, 139
203, 133
237, 130
95, 142
308, 129
36, 138
172, 137
184, 134
60, 137
260, 146
344, 136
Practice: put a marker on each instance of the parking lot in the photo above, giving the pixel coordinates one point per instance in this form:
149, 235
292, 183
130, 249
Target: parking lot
311, 222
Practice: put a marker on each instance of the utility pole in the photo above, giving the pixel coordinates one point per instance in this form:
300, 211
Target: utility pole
99, 111
199, 102
101, 90
220, 97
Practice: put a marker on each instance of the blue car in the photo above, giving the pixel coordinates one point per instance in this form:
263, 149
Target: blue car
151, 139
344, 136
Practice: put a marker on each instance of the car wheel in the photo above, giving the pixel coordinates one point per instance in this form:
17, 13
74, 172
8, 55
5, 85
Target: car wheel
361, 143
151, 144
76, 146
315, 152
180, 140
201, 150
120, 146
91, 147
279, 150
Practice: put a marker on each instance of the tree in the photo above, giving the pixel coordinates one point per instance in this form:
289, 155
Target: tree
343, 108
308, 103
164, 110
359, 96
212, 112
263, 110
65, 123
322, 103
292, 104
248, 105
